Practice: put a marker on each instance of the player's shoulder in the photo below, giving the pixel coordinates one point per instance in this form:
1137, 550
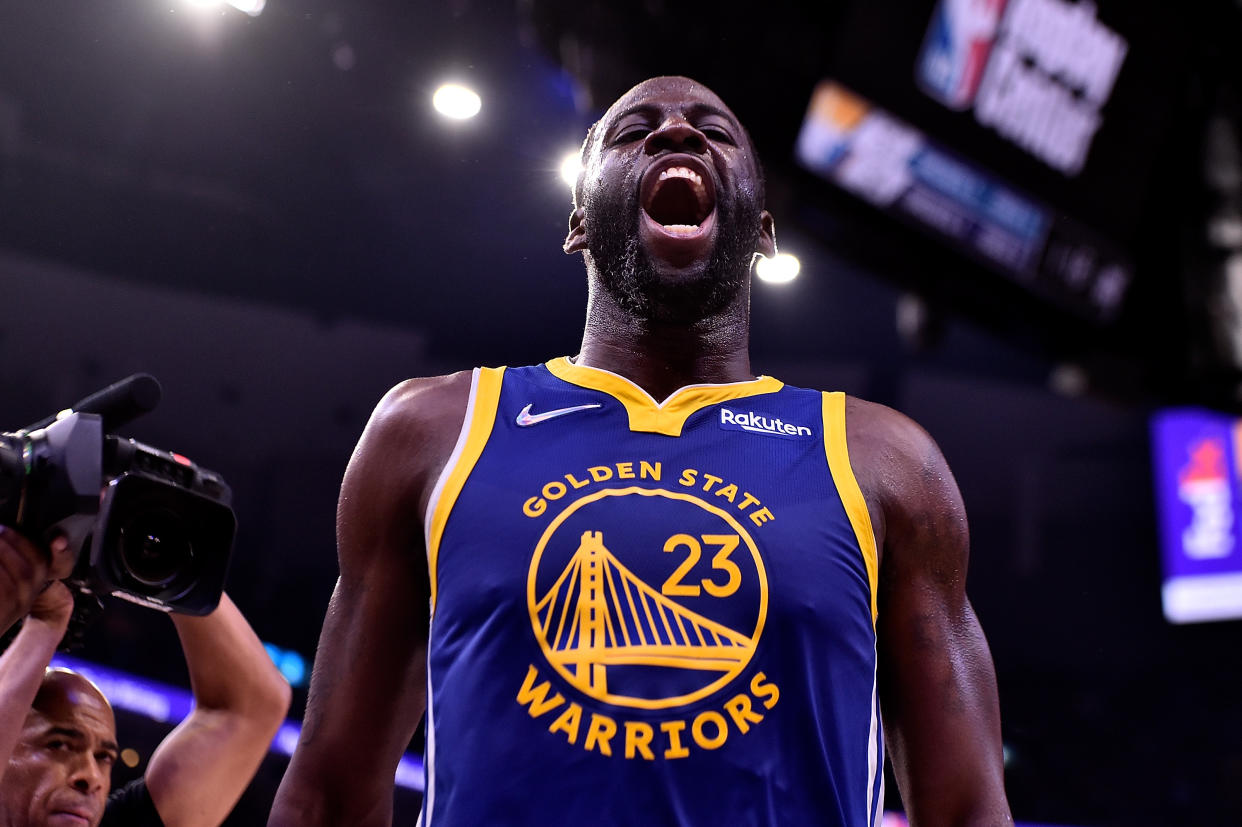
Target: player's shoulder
408, 438
423, 401
917, 510
414, 421
878, 427
892, 456
410, 395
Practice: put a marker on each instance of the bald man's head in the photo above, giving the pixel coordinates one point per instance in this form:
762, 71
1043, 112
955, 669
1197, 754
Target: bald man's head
62, 764
64, 688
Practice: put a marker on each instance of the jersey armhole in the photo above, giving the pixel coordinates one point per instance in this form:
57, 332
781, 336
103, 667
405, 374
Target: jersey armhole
837, 450
476, 428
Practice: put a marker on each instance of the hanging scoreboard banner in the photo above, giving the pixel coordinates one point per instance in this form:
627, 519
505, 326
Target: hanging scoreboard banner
897, 168
1038, 72
1024, 133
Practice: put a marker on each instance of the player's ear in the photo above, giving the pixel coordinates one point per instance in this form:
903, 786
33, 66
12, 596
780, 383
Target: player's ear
767, 235
575, 242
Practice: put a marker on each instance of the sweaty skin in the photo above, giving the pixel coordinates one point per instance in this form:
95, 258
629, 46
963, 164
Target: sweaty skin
657, 315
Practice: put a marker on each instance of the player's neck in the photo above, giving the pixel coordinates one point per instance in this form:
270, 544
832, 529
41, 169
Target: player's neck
661, 357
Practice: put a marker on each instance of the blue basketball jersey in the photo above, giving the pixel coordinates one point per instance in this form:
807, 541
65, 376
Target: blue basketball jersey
650, 614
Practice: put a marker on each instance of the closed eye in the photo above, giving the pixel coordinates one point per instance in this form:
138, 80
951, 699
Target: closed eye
718, 135
629, 136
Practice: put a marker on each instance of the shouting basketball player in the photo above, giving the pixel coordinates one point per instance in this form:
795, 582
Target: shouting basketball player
641, 585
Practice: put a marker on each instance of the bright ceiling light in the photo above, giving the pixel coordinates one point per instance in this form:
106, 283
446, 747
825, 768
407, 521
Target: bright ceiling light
251, 7
455, 101
571, 166
780, 269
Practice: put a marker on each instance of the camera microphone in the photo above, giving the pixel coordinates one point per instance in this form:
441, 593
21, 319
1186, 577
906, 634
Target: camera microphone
117, 404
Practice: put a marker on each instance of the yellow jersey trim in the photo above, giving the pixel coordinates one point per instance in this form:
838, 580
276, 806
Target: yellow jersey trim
847, 486
481, 416
648, 416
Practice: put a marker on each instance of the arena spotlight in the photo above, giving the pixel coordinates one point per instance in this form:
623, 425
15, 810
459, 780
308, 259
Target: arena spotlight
251, 7
452, 100
571, 167
780, 269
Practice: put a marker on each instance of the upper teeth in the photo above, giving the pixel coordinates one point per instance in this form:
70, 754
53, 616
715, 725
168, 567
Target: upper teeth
683, 172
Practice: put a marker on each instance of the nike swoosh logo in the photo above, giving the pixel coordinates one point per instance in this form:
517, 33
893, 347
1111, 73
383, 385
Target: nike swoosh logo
525, 419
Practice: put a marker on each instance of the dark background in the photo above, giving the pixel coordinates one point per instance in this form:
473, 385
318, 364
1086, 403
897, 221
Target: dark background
266, 214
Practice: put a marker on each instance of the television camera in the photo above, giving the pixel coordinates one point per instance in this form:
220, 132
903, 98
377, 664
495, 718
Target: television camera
146, 525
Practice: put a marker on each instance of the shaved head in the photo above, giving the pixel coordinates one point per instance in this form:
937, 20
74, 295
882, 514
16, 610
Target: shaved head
64, 689
60, 772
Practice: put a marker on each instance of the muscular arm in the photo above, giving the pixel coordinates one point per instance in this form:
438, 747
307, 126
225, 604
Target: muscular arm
937, 683
198, 773
368, 687
23, 663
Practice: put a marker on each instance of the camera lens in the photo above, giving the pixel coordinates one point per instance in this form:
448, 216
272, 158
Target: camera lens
155, 547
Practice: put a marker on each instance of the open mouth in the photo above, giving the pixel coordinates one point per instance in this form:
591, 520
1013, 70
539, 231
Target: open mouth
679, 198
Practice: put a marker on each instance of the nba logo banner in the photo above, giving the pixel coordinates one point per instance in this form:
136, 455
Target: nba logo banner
959, 42
1037, 72
1197, 493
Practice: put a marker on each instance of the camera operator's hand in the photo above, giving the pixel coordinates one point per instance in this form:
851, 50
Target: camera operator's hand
63, 559
25, 569
53, 607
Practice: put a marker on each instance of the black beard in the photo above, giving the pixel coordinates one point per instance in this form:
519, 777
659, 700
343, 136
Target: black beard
627, 273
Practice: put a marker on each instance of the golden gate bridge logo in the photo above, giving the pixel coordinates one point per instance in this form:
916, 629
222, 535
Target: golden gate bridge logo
598, 614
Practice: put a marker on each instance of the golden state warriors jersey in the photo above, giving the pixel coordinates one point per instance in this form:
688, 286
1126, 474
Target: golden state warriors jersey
650, 614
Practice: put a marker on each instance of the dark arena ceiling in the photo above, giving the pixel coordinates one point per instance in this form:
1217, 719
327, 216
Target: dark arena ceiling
290, 158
